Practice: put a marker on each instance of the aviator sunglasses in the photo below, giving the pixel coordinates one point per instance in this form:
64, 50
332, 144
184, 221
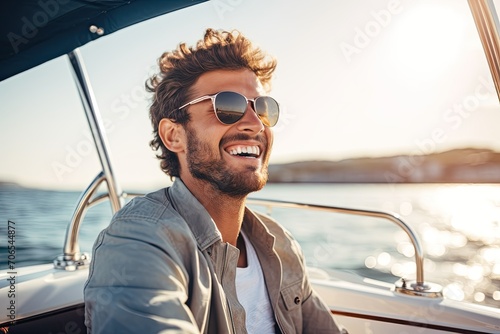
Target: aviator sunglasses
230, 107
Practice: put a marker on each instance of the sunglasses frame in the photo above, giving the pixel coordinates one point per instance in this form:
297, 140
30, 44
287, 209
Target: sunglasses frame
214, 96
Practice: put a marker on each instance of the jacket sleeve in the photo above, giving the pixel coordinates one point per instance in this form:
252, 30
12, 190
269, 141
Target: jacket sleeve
137, 283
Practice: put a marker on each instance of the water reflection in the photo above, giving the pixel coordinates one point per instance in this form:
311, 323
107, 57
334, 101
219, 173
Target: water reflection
463, 258
457, 224
459, 228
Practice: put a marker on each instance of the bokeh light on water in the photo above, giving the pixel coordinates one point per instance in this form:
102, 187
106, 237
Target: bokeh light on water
458, 226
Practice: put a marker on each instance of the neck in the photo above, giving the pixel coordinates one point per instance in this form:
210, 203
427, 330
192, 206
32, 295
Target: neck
226, 211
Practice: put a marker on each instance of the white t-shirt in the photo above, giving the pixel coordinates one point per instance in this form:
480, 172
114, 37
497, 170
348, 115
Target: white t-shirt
252, 294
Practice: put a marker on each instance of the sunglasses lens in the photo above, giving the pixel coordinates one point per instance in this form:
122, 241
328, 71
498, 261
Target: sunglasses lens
230, 107
268, 110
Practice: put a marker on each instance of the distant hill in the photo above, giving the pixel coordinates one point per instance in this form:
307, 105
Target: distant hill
455, 166
7, 184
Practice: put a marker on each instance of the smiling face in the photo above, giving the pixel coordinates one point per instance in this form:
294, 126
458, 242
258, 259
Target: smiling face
233, 159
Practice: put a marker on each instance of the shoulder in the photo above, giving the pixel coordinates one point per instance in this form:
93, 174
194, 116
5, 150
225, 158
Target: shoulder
151, 207
147, 230
150, 219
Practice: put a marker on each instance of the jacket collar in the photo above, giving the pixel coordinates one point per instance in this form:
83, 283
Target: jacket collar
196, 216
203, 226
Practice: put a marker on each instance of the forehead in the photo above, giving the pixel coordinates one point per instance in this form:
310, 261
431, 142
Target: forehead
243, 81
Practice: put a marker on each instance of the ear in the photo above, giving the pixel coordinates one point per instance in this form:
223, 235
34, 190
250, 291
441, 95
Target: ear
172, 135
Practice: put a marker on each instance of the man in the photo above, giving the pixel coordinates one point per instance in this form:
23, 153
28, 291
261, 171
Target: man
192, 258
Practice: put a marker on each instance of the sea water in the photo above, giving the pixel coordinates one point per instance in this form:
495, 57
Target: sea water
457, 224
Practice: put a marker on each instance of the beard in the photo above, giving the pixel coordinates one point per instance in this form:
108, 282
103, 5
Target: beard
207, 165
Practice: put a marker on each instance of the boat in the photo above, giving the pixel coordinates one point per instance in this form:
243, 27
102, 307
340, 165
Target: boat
48, 297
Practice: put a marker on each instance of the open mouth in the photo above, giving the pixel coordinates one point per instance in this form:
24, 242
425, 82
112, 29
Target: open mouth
244, 151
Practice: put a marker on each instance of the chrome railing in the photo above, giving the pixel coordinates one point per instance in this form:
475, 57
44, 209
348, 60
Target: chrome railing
73, 259
94, 119
418, 287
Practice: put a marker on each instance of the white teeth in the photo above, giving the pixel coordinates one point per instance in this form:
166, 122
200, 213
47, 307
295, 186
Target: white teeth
254, 150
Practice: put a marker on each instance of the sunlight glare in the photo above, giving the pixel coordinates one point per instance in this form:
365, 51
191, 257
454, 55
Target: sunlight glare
454, 291
384, 259
491, 255
470, 211
406, 248
475, 272
434, 27
370, 262
479, 297
496, 295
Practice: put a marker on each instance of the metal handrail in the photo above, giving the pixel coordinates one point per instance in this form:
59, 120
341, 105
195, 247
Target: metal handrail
419, 253
94, 119
419, 287
71, 246
73, 259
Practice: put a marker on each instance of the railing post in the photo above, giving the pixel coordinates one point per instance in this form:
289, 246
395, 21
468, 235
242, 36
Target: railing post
417, 288
96, 126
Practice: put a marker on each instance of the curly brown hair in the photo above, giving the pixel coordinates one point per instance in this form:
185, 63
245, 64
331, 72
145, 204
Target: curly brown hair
180, 69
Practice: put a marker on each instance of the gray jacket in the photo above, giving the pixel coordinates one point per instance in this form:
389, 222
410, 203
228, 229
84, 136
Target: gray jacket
161, 267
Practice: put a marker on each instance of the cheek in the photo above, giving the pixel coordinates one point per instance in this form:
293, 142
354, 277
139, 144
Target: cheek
212, 138
209, 136
270, 137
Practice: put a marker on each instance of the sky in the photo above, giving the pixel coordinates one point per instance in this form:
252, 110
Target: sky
354, 79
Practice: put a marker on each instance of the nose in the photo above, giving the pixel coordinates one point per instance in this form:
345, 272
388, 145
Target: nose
250, 120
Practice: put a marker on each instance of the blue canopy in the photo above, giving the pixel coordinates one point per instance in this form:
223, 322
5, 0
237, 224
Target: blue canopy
35, 31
